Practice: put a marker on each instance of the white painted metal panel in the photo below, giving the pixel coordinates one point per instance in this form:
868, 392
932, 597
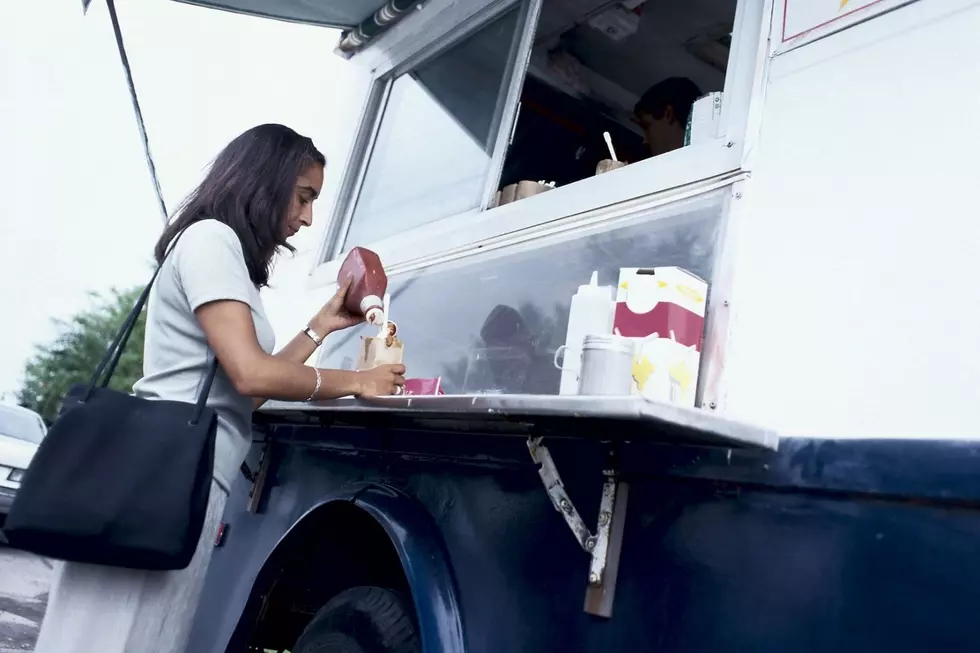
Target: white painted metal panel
854, 298
801, 21
804, 15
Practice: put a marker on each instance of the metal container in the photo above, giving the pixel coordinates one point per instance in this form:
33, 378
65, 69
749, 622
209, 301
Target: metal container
607, 365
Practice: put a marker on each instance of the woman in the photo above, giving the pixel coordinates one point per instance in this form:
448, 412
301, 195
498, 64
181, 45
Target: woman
215, 256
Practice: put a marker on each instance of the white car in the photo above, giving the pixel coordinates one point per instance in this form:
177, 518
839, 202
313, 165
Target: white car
21, 431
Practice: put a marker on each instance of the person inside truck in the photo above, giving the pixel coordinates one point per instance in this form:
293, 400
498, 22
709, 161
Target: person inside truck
513, 357
662, 113
214, 256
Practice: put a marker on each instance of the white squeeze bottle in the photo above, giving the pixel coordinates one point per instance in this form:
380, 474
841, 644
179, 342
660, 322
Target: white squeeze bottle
591, 312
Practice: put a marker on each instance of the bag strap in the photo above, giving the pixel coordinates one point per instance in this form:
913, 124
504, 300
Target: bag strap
202, 397
111, 359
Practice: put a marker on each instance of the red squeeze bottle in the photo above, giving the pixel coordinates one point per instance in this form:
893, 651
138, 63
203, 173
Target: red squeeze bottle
369, 285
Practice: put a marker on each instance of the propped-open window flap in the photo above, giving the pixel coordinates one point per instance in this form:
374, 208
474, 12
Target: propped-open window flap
361, 20
341, 14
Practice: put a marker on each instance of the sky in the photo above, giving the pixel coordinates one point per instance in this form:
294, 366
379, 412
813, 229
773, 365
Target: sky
78, 213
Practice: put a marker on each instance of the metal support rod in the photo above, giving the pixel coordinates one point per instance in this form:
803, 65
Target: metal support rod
598, 567
556, 492
599, 597
124, 58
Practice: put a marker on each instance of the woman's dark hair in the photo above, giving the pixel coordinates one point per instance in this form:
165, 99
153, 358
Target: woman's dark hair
249, 187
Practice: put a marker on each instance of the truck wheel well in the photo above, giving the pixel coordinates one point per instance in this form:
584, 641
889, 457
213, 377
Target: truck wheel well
336, 547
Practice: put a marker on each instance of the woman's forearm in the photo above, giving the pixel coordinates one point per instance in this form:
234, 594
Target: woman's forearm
230, 330
273, 377
299, 349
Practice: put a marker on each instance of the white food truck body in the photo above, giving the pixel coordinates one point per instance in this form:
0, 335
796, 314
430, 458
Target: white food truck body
839, 184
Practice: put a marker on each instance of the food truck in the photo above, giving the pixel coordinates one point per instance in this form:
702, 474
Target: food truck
809, 483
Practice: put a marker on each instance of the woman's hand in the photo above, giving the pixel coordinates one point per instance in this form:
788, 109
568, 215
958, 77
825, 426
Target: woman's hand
334, 316
381, 381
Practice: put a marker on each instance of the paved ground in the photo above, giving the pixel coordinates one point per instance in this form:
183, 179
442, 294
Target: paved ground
24, 581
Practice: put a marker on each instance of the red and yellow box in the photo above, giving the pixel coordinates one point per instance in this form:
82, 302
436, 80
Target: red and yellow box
662, 310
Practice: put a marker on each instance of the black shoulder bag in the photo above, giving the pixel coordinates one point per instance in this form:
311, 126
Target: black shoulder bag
119, 480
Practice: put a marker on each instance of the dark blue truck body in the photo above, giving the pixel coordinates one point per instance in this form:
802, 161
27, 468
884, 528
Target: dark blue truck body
833, 546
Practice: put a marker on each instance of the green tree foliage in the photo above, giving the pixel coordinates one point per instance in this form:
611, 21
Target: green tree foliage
77, 351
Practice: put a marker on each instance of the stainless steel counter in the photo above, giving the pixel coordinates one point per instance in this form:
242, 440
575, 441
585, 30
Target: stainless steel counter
612, 418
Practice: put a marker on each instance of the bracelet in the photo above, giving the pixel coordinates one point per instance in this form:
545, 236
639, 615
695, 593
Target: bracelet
314, 336
319, 380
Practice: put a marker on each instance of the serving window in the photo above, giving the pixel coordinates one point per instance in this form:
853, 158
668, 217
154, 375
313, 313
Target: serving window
492, 323
649, 74
545, 110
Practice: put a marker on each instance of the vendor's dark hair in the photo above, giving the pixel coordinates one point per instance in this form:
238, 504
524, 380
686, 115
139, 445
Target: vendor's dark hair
678, 92
249, 187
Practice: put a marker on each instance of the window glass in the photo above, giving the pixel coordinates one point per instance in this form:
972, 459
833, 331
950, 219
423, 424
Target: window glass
21, 425
650, 77
491, 323
434, 146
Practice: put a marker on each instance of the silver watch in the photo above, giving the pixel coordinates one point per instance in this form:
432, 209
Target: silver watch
313, 336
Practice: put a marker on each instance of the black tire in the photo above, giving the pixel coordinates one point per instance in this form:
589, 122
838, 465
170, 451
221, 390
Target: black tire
361, 620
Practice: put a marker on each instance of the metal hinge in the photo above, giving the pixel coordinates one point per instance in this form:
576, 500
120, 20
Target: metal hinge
604, 545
